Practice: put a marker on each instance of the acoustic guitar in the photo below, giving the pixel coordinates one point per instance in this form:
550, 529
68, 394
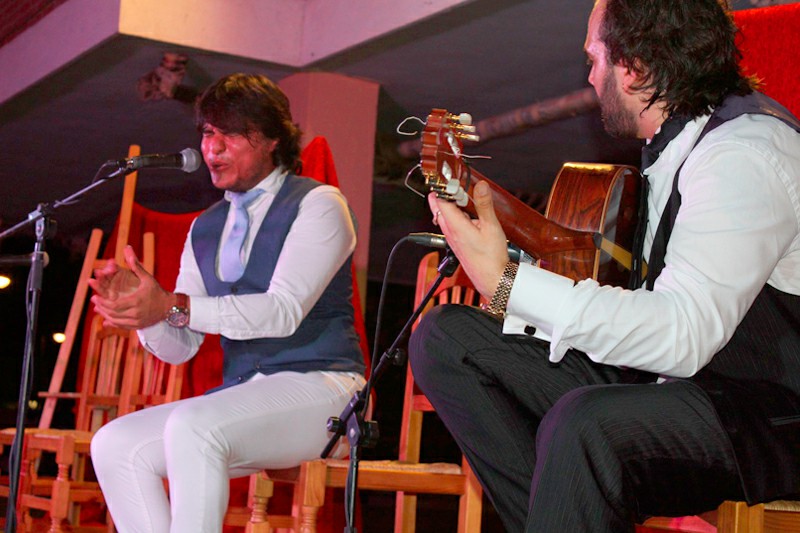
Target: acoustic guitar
591, 215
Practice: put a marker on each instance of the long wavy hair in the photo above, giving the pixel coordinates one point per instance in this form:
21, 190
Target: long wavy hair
246, 103
683, 50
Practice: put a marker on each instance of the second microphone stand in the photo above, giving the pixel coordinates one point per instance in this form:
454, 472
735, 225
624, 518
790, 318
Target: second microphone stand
364, 433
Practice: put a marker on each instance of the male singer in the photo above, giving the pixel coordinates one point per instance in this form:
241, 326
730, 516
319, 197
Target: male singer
268, 268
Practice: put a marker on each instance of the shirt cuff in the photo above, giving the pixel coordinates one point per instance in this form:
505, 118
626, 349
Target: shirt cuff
151, 336
536, 300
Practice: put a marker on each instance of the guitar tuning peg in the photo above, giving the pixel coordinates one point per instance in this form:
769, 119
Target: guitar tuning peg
461, 120
456, 192
463, 127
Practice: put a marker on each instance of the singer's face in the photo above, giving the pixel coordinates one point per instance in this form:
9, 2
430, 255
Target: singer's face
237, 162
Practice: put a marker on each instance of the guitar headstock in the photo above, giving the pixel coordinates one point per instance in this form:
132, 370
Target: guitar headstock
441, 155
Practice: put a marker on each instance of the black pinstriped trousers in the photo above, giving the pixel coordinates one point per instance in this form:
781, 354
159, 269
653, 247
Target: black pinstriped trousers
569, 448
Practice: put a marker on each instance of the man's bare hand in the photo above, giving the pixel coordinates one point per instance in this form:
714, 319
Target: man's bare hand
111, 280
480, 244
129, 298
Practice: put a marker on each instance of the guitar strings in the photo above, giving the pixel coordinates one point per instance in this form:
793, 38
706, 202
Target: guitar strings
408, 119
463, 156
424, 195
467, 165
408, 185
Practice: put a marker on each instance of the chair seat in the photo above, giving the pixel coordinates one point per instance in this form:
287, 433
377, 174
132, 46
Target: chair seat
400, 466
42, 436
428, 478
783, 505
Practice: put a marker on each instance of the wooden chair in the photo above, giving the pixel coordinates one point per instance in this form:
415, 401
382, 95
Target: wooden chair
118, 377
456, 289
769, 43
781, 516
114, 363
406, 476
773, 517
91, 261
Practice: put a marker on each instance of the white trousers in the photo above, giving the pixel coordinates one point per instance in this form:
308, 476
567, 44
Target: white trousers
198, 444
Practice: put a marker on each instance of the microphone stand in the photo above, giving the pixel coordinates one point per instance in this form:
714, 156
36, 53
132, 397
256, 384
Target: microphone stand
45, 229
364, 433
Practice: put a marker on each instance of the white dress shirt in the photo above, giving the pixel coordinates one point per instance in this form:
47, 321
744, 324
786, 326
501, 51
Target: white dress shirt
321, 238
738, 228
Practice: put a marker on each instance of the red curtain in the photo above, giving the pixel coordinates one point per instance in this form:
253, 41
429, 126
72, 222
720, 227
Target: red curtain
770, 43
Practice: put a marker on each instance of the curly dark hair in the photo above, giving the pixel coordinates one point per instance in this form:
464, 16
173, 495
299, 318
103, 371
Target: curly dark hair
684, 50
246, 103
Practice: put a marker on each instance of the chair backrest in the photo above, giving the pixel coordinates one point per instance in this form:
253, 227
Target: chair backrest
117, 375
102, 377
106, 356
120, 376
455, 289
148, 381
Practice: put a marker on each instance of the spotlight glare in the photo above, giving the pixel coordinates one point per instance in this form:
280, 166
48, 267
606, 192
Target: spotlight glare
59, 337
5, 281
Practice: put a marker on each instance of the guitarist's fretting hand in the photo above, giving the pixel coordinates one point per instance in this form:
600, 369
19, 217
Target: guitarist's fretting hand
479, 244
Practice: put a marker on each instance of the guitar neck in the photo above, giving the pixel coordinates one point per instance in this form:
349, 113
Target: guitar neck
600, 200
526, 227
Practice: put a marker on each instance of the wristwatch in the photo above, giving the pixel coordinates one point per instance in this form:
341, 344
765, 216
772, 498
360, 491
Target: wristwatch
178, 314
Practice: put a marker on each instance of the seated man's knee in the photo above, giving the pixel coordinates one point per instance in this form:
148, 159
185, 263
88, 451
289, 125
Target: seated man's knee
106, 444
576, 417
189, 425
432, 345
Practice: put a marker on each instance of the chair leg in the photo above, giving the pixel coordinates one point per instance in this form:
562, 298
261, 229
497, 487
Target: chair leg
27, 473
405, 513
309, 495
261, 488
59, 497
470, 503
738, 517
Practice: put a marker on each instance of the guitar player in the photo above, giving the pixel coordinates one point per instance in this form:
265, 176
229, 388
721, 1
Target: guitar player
584, 407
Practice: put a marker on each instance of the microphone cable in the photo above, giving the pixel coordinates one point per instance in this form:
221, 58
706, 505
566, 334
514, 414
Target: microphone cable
379, 315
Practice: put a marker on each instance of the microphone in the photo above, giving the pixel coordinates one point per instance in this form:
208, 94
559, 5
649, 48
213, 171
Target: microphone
187, 160
432, 240
20, 260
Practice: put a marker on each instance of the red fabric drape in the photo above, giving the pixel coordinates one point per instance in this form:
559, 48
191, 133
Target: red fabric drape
318, 164
770, 43
204, 371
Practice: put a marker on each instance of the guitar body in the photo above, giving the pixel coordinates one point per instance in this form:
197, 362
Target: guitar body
595, 198
591, 214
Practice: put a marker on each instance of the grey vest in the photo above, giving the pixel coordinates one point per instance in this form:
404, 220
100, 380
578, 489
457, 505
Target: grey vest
325, 340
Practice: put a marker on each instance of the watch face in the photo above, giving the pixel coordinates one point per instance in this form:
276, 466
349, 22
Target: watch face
177, 317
